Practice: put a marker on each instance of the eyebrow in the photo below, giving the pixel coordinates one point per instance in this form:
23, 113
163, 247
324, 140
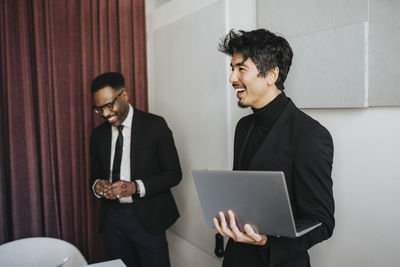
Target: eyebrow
106, 104
239, 64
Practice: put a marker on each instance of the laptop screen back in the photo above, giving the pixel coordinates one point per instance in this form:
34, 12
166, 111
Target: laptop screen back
258, 198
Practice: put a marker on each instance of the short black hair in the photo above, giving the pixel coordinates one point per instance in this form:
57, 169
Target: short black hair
266, 50
113, 79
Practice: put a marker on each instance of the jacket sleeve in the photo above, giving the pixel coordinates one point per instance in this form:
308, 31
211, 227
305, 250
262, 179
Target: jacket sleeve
95, 169
312, 195
169, 172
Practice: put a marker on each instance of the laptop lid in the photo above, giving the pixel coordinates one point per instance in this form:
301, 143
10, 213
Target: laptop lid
258, 198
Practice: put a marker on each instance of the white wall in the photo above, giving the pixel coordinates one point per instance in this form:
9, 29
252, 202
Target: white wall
366, 187
200, 107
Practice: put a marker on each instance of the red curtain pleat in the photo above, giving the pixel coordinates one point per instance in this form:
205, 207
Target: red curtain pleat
50, 50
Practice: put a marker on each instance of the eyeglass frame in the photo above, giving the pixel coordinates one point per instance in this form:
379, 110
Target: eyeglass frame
108, 106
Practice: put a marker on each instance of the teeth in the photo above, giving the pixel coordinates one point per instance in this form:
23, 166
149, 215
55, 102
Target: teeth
239, 90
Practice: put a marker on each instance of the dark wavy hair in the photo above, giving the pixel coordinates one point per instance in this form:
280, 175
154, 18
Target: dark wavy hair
113, 79
265, 49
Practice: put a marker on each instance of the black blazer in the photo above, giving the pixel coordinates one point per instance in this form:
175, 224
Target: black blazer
154, 160
303, 149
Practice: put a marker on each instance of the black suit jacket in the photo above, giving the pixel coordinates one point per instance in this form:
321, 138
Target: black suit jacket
303, 149
154, 160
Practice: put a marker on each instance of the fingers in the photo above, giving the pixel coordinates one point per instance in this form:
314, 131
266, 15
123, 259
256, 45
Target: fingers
257, 238
107, 191
216, 224
109, 194
232, 222
118, 189
250, 232
111, 191
99, 190
123, 188
248, 236
117, 183
222, 226
239, 236
115, 190
101, 186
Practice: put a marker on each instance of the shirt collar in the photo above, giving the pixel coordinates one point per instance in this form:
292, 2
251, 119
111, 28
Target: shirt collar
127, 123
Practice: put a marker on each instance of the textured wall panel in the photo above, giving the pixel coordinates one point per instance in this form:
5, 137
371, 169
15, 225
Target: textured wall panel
329, 68
384, 89
190, 92
293, 17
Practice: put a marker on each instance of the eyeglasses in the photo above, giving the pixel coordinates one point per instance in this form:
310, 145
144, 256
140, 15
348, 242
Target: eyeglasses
109, 106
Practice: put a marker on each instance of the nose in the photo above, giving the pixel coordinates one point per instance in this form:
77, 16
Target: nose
234, 77
105, 112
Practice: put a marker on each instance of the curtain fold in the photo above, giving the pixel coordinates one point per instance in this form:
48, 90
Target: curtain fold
50, 50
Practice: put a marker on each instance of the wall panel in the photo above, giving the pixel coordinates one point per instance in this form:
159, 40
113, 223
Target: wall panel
329, 68
384, 53
293, 17
189, 91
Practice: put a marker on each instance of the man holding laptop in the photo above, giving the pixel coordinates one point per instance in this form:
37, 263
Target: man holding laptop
276, 137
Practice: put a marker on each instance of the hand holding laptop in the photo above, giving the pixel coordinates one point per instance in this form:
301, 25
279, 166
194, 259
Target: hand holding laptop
249, 237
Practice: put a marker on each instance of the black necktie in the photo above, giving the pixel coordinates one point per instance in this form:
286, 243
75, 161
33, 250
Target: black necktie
116, 171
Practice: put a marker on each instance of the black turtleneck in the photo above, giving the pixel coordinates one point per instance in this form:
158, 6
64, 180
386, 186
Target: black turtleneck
264, 119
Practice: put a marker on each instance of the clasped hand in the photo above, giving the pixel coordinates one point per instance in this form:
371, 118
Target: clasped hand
115, 190
249, 236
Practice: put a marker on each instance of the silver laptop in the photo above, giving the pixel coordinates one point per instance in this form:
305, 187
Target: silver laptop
258, 198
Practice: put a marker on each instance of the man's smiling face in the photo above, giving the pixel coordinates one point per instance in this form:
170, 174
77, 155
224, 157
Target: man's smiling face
251, 87
113, 104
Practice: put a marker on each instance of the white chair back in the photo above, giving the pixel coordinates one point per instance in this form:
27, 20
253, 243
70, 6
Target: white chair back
40, 252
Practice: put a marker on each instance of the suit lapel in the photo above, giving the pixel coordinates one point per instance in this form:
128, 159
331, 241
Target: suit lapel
271, 142
106, 148
136, 139
245, 140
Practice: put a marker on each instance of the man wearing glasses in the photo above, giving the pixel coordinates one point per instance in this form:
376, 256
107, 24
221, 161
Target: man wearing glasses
134, 163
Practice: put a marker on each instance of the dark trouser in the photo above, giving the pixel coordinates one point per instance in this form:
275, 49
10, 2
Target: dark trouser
125, 238
239, 255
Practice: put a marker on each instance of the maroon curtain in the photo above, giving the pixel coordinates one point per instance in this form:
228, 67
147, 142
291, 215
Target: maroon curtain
50, 50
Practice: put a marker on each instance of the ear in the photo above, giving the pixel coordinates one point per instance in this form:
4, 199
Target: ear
125, 95
272, 76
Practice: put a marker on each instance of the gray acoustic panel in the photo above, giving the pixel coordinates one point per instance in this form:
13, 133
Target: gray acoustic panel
293, 18
384, 53
189, 88
329, 68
